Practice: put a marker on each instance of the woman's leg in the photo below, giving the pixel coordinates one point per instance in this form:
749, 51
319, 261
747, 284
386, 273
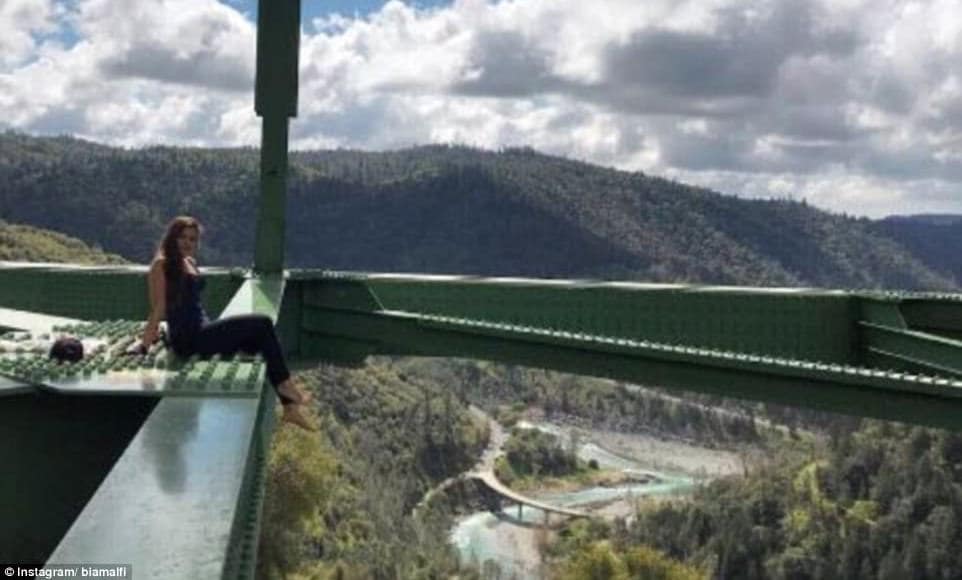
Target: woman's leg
252, 333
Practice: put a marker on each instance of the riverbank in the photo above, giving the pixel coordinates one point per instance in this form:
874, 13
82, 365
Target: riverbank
619, 450
666, 455
516, 549
636, 469
581, 480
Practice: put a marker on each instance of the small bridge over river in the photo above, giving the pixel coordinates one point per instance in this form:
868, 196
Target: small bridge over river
494, 484
483, 471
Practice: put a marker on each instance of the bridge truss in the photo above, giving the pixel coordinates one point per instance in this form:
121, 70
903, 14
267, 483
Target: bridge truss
160, 462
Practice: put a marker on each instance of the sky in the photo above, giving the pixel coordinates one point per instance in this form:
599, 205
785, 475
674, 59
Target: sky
852, 105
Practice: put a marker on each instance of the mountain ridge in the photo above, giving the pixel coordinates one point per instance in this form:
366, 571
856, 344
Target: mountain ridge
455, 210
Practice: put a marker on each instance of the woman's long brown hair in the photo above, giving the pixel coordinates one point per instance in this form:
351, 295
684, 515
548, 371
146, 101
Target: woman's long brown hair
173, 260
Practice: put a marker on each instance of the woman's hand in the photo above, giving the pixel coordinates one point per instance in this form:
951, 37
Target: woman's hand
157, 292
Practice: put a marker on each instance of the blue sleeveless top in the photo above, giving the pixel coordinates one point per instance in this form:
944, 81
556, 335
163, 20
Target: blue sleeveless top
186, 318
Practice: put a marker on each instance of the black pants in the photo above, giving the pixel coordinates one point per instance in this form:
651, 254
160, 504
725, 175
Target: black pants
249, 333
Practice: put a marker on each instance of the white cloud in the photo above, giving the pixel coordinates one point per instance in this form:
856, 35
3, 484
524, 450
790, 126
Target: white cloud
193, 42
140, 73
854, 105
20, 21
848, 102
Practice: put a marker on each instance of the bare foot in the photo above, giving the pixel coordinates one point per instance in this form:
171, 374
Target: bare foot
290, 390
293, 415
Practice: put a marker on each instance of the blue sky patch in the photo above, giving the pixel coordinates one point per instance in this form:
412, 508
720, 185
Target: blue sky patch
311, 9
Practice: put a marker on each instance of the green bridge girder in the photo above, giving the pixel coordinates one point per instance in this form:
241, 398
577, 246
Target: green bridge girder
154, 462
887, 355
895, 356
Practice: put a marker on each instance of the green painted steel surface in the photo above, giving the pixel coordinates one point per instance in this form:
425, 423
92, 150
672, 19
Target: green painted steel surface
10, 387
269, 245
183, 499
241, 557
32, 321
833, 387
832, 350
166, 505
275, 100
107, 369
933, 315
801, 324
912, 350
55, 452
788, 323
90, 293
278, 43
260, 294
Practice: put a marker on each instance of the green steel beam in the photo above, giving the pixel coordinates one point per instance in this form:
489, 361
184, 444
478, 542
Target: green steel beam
275, 100
882, 311
10, 387
96, 293
809, 325
932, 315
56, 452
260, 295
915, 350
257, 295
32, 322
167, 465
832, 387
838, 351
168, 504
826, 337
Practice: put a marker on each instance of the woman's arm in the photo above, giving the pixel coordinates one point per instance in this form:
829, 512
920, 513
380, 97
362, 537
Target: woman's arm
157, 293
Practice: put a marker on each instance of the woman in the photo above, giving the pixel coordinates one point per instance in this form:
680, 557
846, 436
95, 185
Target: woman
174, 285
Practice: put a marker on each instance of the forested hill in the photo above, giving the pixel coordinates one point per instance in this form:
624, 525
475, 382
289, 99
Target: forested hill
27, 244
935, 239
450, 210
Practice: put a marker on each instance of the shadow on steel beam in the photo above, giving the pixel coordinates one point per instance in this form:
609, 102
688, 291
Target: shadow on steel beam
56, 451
